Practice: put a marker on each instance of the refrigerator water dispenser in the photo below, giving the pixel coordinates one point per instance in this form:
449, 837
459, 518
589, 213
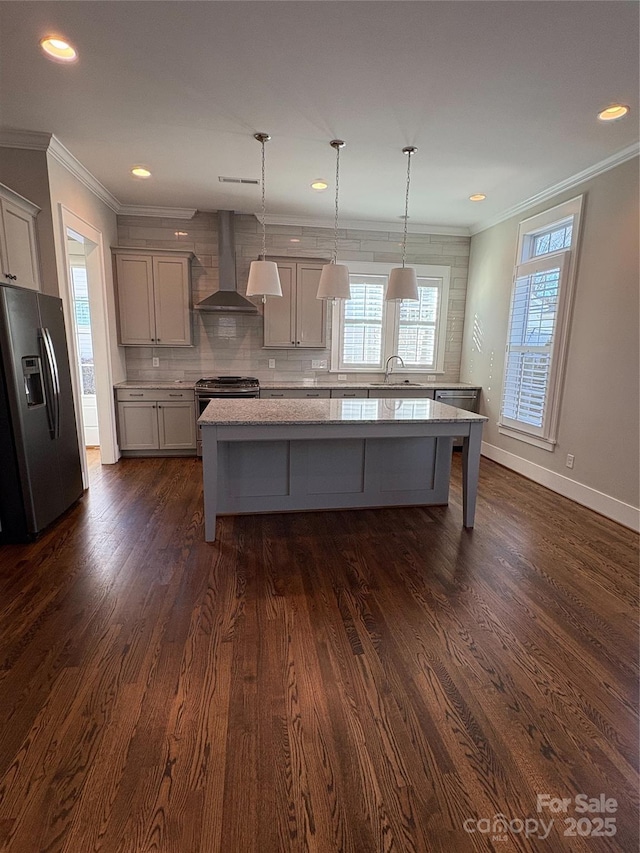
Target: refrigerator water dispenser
32, 372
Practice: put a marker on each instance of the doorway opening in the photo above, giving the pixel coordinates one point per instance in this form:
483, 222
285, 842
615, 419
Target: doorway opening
76, 251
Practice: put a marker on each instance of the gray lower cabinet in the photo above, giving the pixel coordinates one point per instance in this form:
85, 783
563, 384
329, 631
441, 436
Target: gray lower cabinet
295, 393
349, 393
409, 393
156, 423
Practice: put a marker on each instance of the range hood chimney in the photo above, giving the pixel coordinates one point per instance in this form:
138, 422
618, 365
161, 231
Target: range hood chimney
227, 299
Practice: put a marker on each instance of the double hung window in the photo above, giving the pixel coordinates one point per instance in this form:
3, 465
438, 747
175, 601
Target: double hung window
538, 324
367, 330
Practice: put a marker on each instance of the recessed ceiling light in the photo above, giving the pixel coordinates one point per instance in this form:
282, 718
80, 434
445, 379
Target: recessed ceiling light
140, 172
181, 233
58, 49
477, 197
319, 184
613, 112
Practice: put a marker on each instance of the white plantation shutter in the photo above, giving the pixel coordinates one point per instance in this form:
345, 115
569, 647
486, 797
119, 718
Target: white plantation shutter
536, 308
362, 324
417, 326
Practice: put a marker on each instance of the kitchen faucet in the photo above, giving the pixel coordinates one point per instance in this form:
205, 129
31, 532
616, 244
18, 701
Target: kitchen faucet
387, 369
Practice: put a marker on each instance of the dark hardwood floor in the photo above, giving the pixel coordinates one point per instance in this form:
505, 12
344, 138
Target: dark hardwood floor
363, 681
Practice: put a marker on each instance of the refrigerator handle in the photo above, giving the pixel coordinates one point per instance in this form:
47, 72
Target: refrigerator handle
54, 380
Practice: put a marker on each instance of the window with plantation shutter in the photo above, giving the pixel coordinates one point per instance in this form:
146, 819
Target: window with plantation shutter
538, 325
366, 330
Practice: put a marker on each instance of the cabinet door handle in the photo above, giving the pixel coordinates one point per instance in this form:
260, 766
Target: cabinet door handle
348, 395
14, 278
313, 395
277, 395
136, 395
175, 395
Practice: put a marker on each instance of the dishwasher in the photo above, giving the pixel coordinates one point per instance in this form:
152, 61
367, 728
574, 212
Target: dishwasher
461, 398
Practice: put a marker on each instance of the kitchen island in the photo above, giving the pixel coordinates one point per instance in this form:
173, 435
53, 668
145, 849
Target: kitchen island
291, 455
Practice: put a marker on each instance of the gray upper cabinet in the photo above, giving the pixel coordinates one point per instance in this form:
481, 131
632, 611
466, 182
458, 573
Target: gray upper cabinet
19, 261
297, 319
153, 297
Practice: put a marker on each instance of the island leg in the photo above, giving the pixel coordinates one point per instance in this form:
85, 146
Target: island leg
470, 472
210, 480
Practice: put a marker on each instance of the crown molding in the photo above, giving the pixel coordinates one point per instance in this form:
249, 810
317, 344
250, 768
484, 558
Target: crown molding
160, 212
365, 225
32, 140
568, 184
63, 156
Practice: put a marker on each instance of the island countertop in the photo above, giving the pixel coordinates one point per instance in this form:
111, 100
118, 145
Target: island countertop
287, 412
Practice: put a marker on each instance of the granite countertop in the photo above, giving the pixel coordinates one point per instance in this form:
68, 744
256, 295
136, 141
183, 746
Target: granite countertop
156, 384
256, 412
334, 384
300, 384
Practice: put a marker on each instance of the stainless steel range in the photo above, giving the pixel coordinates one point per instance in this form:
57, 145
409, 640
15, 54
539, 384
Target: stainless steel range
211, 387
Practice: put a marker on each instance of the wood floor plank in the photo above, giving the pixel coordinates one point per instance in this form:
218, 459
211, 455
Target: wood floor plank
375, 681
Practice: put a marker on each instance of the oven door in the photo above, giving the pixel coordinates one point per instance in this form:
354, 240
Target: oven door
203, 400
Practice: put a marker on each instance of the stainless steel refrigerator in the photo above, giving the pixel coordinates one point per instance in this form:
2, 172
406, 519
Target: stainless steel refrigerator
40, 472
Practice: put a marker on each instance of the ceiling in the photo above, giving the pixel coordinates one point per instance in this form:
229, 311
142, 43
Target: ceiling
499, 98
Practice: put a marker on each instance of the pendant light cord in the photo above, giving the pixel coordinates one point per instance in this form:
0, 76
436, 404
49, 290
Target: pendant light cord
335, 224
264, 208
409, 152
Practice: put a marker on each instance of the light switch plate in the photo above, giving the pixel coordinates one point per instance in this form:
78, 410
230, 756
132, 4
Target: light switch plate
318, 364
431, 378
342, 377
155, 362
272, 363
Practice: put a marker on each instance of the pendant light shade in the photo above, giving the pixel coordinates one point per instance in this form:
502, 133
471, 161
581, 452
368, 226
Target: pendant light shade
264, 279
403, 283
334, 278
334, 282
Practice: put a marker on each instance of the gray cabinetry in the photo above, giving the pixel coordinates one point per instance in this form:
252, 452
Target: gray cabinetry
298, 318
391, 391
295, 393
156, 422
19, 263
153, 297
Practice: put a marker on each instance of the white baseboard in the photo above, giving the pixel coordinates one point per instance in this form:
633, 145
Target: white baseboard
623, 513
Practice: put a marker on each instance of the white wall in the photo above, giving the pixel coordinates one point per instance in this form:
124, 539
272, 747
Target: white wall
26, 173
600, 404
68, 191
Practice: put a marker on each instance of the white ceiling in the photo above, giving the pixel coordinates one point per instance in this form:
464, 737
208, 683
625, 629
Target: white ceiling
499, 97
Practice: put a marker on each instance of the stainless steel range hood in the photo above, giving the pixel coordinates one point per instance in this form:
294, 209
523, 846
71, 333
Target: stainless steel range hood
226, 299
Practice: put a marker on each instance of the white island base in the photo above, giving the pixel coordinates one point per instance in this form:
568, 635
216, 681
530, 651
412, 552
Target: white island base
270, 466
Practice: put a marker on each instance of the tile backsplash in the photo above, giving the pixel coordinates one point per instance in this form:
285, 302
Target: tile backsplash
225, 344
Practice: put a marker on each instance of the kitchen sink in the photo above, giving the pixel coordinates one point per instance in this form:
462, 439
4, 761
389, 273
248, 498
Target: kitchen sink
397, 384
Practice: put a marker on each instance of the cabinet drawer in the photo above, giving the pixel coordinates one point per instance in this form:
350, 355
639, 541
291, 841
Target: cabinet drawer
350, 393
402, 393
155, 395
170, 396
295, 393
136, 395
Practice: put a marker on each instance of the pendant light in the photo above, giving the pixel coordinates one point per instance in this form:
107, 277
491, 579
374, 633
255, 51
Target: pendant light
263, 274
403, 283
334, 278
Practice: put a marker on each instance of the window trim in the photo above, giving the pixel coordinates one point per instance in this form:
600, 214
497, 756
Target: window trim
546, 436
391, 319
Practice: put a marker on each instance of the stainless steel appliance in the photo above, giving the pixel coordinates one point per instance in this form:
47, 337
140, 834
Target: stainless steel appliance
212, 387
40, 472
461, 398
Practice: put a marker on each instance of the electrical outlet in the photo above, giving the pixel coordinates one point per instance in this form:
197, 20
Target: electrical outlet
342, 377
272, 363
570, 460
431, 378
155, 362
318, 364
